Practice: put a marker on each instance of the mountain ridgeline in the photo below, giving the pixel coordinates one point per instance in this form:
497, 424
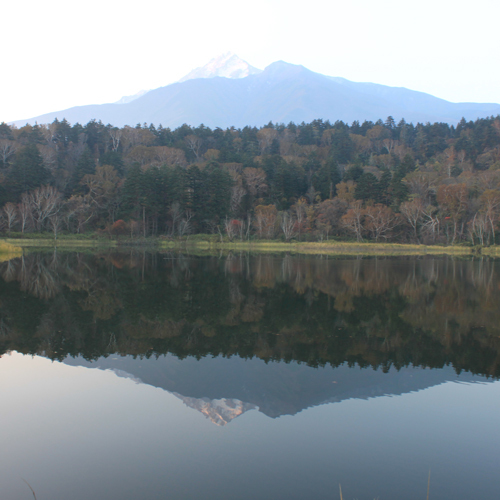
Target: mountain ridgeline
281, 93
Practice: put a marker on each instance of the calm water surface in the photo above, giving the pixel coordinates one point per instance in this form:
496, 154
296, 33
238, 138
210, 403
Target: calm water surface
169, 376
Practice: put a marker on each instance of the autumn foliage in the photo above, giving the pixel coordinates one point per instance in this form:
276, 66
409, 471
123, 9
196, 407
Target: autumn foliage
423, 183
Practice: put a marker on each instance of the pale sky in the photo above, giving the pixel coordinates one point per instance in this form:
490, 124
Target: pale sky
64, 53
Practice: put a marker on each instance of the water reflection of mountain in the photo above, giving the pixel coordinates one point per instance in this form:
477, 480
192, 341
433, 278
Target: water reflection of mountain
225, 388
380, 312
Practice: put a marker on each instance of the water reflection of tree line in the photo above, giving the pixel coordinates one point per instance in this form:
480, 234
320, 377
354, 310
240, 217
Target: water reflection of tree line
373, 312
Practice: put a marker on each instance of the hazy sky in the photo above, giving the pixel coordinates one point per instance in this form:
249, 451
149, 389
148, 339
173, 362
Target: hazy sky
62, 53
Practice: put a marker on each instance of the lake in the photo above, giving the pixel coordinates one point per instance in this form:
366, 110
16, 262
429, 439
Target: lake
141, 375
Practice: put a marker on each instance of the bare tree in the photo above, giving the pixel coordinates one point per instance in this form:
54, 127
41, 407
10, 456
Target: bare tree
237, 191
380, 221
237, 194
453, 201
132, 137
78, 208
480, 229
194, 144
242, 229
45, 202
490, 201
390, 144
7, 149
115, 134
49, 155
24, 209
431, 223
185, 223
330, 213
11, 215
143, 155
412, 211
49, 132
288, 225
249, 226
421, 184
265, 220
255, 180
55, 222
176, 215
300, 215
266, 136
169, 156
353, 220
312, 194
102, 189
232, 227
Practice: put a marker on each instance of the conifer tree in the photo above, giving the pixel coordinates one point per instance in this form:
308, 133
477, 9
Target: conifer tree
28, 172
326, 179
84, 166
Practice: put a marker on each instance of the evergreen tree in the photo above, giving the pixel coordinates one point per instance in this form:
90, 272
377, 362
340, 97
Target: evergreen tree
312, 166
407, 165
114, 159
35, 136
219, 185
398, 189
28, 172
356, 128
5, 131
133, 193
367, 187
354, 173
342, 147
155, 196
275, 147
383, 188
306, 134
64, 133
326, 179
177, 180
84, 166
198, 196
97, 137
290, 185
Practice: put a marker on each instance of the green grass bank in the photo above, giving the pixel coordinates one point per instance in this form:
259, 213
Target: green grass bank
203, 242
208, 243
9, 251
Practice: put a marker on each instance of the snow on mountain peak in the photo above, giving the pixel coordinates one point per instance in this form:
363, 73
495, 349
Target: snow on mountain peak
227, 65
219, 411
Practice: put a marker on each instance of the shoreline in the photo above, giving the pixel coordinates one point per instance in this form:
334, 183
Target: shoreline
15, 246
9, 251
324, 248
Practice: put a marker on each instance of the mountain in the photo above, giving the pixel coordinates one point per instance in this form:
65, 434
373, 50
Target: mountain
227, 65
281, 93
129, 98
219, 411
224, 388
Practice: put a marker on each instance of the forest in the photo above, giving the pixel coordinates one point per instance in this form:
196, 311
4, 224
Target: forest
424, 183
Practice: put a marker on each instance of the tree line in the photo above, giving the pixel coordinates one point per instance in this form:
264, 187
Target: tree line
382, 181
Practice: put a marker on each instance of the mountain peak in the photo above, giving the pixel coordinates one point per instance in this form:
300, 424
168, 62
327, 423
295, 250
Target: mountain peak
227, 65
285, 68
219, 411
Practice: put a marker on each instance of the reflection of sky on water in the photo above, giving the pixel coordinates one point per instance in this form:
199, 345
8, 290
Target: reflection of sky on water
77, 433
